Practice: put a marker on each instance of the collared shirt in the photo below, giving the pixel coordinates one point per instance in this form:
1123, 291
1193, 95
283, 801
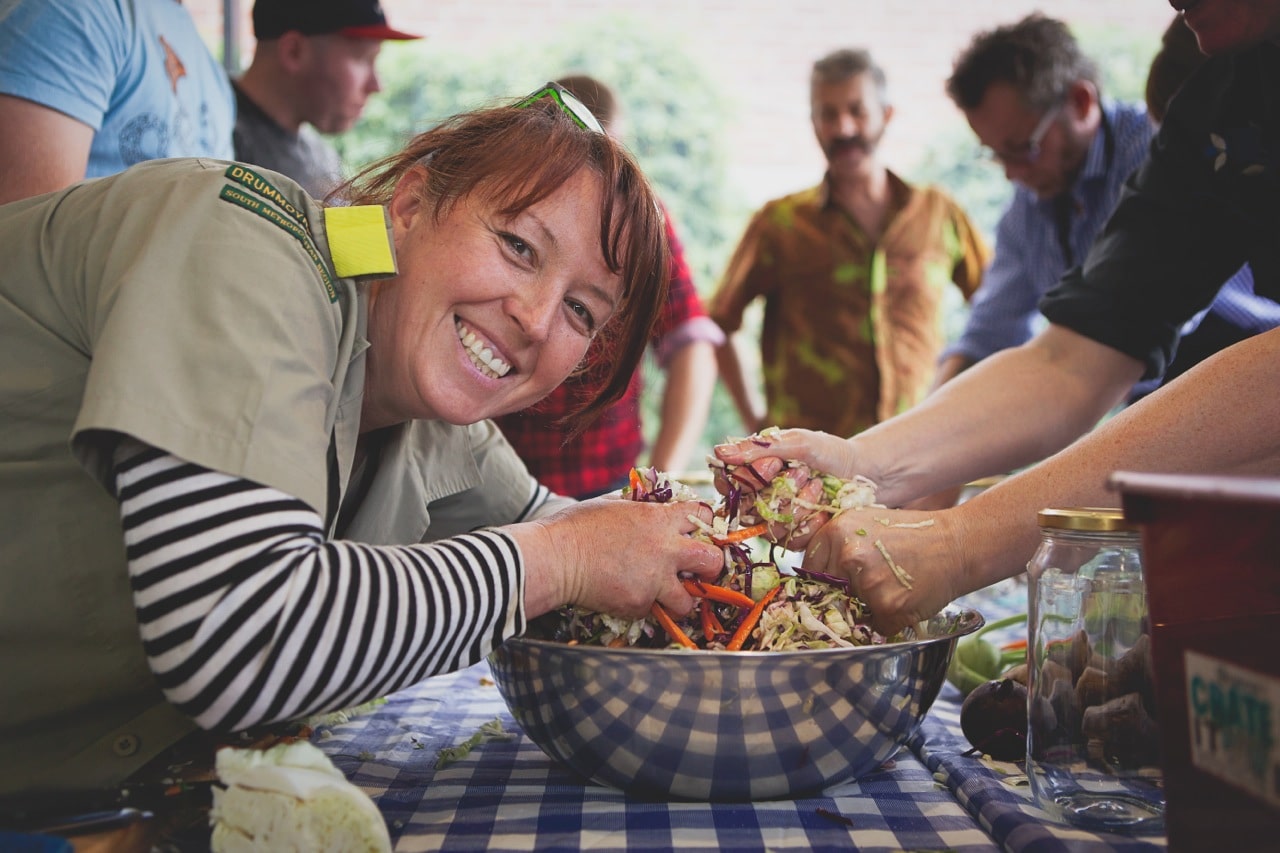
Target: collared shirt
195, 305
1206, 201
601, 457
1030, 255
852, 326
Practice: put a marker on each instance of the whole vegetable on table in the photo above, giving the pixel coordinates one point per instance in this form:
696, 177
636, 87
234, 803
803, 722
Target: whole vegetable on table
994, 719
977, 661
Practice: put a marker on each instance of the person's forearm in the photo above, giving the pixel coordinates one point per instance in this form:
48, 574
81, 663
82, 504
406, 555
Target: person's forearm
686, 399
1010, 410
733, 375
1218, 418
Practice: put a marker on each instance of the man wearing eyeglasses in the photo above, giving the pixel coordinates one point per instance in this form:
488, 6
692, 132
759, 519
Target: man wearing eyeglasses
1033, 99
853, 273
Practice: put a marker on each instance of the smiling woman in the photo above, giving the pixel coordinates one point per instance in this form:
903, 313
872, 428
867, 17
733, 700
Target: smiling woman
238, 415
568, 215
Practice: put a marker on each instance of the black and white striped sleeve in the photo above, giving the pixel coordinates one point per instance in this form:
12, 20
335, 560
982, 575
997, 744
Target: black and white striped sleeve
248, 615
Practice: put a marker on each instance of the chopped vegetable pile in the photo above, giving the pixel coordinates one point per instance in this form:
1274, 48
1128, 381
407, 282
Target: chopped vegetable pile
755, 604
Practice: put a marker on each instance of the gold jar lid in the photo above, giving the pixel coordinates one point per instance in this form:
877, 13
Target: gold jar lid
1086, 519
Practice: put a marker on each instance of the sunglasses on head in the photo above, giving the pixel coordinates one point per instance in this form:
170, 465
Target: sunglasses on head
572, 107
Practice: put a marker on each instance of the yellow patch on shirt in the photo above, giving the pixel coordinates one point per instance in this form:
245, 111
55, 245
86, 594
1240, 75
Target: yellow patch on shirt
360, 241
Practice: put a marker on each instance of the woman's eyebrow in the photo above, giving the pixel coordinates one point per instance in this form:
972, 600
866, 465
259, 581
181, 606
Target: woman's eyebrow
542, 226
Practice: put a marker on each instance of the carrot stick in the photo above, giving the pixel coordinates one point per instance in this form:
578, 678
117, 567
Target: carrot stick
741, 534
711, 627
635, 481
669, 625
749, 621
698, 589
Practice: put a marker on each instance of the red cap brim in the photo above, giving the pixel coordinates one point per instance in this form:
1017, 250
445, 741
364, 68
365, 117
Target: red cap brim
377, 31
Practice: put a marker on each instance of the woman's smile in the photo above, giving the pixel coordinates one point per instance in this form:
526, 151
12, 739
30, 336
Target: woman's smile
481, 352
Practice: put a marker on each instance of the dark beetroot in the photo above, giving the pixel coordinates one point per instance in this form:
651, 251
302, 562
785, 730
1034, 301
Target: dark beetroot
994, 719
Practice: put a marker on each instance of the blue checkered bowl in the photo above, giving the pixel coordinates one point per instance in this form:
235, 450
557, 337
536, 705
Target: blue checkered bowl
725, 726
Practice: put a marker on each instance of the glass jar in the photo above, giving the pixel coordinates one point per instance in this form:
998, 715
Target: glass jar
1093, 746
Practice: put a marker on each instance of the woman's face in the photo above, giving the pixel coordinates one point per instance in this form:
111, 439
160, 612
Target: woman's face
488, 312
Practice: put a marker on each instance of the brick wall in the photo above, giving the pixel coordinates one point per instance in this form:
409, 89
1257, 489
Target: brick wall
760, 52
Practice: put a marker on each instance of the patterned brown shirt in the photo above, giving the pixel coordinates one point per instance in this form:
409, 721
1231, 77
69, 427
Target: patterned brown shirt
852, 327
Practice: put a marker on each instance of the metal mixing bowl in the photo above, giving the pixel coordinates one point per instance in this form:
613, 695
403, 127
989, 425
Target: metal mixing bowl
725, 726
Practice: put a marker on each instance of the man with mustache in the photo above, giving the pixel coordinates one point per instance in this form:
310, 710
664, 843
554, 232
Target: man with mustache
853, 273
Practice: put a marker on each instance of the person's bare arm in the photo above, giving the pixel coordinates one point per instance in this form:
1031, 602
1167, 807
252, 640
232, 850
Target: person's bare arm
1010, 410
1014, 408
733, 374
1219, 418
42, 149
686, 399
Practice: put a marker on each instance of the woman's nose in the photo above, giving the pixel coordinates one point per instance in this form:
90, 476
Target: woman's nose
534, 310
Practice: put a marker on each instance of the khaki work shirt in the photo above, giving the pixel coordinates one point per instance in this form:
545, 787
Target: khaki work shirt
194, 305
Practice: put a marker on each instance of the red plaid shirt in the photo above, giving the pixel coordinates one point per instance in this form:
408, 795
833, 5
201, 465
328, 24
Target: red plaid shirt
599, 459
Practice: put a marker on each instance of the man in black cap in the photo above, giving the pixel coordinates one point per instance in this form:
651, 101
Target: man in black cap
312, 72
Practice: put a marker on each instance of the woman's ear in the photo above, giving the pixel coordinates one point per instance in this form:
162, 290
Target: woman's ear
407, 202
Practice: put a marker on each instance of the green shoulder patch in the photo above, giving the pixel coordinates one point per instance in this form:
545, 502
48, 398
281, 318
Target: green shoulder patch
260, 186
239, 197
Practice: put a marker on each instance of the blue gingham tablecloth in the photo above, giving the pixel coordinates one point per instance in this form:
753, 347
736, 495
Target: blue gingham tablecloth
507, 795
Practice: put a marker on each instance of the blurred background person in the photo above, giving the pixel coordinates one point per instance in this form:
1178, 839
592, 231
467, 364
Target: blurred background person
91, 87
852, 273
599, 458
312, 72
1034, 101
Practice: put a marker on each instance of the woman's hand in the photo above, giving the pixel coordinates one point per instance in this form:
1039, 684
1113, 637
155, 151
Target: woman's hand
615, 556
905, 565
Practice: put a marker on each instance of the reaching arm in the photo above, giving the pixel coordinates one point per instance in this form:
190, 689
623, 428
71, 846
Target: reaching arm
248, 614
1010, 410
1220, 417
686, 399
42, 149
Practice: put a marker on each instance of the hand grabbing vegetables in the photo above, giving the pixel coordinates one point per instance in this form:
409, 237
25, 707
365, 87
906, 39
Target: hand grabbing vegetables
766, 450
753, 604
616, 557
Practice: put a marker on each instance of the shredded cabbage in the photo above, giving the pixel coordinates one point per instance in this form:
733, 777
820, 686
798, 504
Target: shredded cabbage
812, 611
